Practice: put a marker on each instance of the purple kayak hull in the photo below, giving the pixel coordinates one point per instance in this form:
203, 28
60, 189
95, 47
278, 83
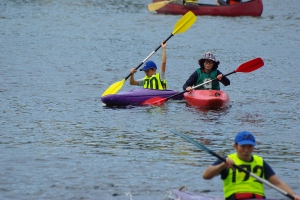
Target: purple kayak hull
185, 195
137, 96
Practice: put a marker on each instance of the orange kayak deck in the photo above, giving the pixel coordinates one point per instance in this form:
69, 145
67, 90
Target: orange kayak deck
207, 98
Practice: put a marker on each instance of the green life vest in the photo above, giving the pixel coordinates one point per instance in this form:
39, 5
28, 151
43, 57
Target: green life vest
203, 77
154, 82
239, 182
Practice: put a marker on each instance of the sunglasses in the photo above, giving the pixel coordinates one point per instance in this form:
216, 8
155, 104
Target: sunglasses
208, 62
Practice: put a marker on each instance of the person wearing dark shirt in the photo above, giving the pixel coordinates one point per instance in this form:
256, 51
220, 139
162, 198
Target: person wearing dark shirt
208, 71
237, 184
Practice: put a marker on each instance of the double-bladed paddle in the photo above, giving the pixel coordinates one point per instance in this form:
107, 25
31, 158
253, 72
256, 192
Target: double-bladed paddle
183, 24
246, 67
204, 148
157, 5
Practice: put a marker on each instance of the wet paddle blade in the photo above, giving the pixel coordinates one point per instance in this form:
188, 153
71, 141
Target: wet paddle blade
114, 88
157, 5
154, 101
250, 66
184, 23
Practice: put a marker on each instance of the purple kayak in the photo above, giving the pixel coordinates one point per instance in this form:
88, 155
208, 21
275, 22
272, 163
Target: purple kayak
185, 195
137, 96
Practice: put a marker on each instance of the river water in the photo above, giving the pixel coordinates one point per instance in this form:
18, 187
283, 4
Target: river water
58, 141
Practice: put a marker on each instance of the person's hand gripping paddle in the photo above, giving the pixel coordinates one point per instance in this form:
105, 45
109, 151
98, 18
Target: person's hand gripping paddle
183, 24
246, 67
204, 148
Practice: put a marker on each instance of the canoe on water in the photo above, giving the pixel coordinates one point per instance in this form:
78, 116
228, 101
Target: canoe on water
185, 195
136, 97
211, 99
252, 8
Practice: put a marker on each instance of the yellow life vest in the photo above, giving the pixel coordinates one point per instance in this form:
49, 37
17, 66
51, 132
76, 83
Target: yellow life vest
154, 82
239, 182
191, 1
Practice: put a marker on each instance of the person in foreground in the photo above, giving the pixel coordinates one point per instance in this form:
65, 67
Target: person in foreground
239, 185
152, 80
208, 70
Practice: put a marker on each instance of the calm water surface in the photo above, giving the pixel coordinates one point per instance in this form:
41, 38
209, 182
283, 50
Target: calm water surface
58, 141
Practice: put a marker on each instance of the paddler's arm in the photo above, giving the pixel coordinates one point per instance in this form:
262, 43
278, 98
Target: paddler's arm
223, 79
190, 82
163, 57
282, 185
215, 170
131, 79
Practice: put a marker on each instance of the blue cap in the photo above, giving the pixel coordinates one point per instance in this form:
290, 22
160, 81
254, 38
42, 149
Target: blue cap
245, 137
149, 65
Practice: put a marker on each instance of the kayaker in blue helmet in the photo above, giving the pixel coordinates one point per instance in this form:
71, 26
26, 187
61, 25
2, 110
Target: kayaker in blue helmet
152, 80
239, 185
208, 71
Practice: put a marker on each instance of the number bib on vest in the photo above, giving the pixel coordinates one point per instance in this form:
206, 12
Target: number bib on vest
239, 182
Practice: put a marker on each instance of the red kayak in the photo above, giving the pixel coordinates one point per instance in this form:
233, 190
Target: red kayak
207, 98
252, 8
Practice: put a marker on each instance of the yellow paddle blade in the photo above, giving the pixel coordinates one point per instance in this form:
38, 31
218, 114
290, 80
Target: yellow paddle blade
184, 23
114, 88
157, 5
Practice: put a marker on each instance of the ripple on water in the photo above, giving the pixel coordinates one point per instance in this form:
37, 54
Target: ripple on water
57, 141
